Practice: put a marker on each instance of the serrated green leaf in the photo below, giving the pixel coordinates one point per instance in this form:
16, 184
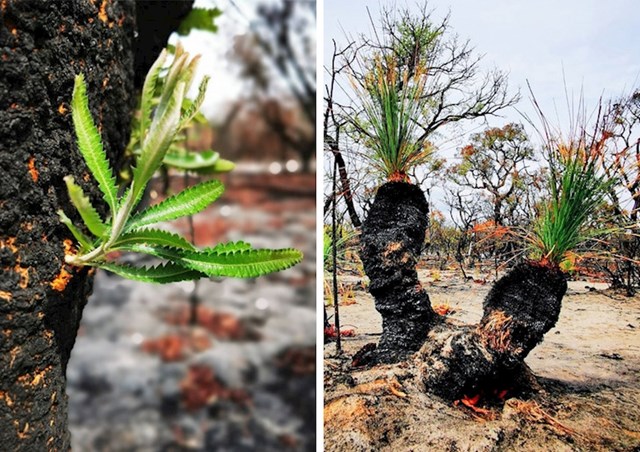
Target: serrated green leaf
90, 143
187, 202
156, 237
161, 274
188, 74
248, 263
82, 239
229, 247
148, 93
171, 81
88, 213
194, 105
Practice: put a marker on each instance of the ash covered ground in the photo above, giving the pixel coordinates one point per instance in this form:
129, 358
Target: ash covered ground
585, 393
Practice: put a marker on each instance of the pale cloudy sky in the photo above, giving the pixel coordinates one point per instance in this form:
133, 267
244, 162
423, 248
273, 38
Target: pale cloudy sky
596, 43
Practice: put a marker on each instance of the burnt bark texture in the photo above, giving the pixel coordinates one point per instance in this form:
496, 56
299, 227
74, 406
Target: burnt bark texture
392, 240
520, 309
43, 45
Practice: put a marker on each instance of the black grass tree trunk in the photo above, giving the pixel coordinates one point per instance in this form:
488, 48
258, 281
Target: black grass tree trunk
43, 45
519, 310
392, 239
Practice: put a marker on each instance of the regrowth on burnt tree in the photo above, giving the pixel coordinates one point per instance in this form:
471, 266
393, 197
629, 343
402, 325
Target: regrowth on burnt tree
416, 78
394, 231
525, 304
126, 230
391, 101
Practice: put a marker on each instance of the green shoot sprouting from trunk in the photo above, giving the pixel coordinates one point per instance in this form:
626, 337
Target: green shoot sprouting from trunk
126, 230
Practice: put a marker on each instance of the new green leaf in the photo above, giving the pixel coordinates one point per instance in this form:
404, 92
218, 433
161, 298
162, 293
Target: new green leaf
90, 144
162, 274
80, 237
188, 202
88, 213
155, 237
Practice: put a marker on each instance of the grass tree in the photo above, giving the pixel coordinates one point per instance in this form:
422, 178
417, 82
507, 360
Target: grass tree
413, 78
393, 232
525, 303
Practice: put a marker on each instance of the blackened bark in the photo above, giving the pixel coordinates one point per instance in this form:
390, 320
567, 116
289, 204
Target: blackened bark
157, 19
346, 185
519, 310
43, 45
392, 239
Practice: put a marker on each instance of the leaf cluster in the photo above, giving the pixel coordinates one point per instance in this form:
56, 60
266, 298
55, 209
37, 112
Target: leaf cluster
579, 189
161, 120
177, 156
392, 101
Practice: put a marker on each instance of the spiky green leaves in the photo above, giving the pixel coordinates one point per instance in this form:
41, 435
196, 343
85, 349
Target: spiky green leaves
392, 101
126, 231
162, 274
88, 213
188, 202
90, 143
564, 223
242, 262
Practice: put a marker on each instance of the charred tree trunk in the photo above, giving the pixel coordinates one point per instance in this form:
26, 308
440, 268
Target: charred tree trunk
43, 45
392, 239
519, 310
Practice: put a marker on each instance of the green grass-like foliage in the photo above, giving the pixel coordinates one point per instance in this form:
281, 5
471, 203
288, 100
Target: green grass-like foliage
391, 103
125, 230
343, 238
578, 190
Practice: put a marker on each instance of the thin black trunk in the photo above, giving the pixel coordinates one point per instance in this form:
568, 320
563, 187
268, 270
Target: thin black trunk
392, 239
334, 264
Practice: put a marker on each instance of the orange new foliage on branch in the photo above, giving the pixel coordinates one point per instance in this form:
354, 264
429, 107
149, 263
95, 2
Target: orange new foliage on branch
490, 228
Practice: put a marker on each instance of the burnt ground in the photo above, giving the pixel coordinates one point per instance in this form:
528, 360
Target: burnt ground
585, 394
141, 379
